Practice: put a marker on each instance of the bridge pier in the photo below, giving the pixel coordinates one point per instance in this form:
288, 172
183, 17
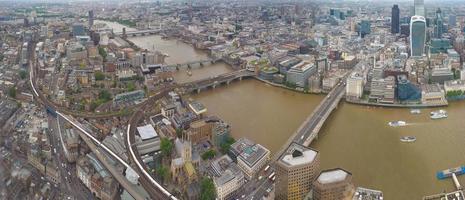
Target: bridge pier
189, 66
240, 78
201, 64
198, 90
228, 81
214, 86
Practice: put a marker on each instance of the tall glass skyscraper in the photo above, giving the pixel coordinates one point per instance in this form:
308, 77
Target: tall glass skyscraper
395, 20
417, 35
439, 24
419, 8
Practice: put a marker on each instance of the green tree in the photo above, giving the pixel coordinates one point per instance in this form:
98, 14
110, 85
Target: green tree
207, 189
102, 52
104, 95
166, 146
22, 74
209, 154
130, 87
12, 92
99, 76
163, 173
225, 146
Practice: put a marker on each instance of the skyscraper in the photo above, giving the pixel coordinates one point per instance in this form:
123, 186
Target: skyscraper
395, 19
419, 8
417, 35
91, 18
439, 24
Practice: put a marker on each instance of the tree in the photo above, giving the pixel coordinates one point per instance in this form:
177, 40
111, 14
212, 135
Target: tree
12, 92
104, 95
22, 74
166, 146
99, 76
226, 145
102, 52
130, 87
179, 132
207, 189
209, 154
163, 173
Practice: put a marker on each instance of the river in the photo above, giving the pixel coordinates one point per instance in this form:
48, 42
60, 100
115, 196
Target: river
356, 138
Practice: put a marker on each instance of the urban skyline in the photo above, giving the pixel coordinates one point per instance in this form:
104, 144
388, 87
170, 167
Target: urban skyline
263, 99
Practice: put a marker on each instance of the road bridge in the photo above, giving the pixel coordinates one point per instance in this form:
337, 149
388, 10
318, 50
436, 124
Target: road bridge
191, 64
215, 81
139, 32
309, 129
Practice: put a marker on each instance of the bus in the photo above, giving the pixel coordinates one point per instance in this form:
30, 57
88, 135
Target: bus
267, 167
271, 176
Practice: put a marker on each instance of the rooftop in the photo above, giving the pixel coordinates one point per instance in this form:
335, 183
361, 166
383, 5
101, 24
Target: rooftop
297, 154
332, 176
147, 132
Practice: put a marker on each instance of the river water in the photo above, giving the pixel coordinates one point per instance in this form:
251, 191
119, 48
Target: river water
356, 138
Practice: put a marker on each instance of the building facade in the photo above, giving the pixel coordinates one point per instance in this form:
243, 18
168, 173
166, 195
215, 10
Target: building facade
417, 36
296, 170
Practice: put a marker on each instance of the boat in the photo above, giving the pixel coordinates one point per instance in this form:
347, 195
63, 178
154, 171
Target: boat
415, 111
448, 172
438, 114
397, 123
408, 139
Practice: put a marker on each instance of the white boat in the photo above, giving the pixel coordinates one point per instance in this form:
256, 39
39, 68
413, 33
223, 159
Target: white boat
408, 139
397, 123
438, 114
415, 111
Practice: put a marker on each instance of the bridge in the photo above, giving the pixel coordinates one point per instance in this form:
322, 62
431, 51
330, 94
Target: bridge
215, 81
308, 130
191, 64
139, 32
155, 190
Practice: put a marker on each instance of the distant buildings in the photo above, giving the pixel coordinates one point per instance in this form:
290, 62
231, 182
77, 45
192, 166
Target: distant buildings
296, 170
395, 19
128, 97
439, 28
364, 28
367, 194
417, 36
91, 18
333, 184
419, 7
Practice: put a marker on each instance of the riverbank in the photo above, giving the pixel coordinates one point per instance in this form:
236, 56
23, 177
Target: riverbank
395, 105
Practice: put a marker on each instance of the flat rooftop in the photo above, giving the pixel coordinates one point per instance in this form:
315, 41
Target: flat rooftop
332, 176
297, 154
147, 132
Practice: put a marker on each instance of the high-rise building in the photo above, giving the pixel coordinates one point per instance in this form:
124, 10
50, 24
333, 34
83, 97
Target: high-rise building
452, 20
364, 28
354, 87
395, 19
417, 35
91, 18
419, 8
296, 170
439, 24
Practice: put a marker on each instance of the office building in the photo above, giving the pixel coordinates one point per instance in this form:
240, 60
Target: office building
333, 184
439, 45
228, 177
364, 28
78, 30
91, 18
354, 88
417, 36
441, 74
439, 28
299, 74
432, 94
395, 19
419, 7
406, 91
296, 170
200, 130
452, 21
252, 158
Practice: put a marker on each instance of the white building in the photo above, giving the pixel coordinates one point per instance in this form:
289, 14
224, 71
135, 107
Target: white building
252, 159
354, 87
